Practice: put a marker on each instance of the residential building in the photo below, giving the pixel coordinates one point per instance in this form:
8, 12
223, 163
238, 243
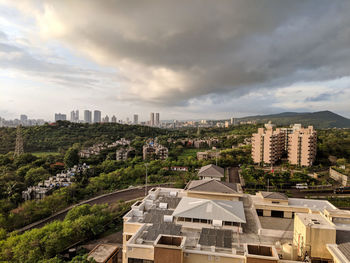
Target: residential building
302, 146
208, 155
97, 116
213, 221
211, 171
125, 153
105, 119
267, 145
74, 116
157, 121
60, 117
153, 151
232, 121
23, 118
87, 116
114, 119
151, 121
136, 119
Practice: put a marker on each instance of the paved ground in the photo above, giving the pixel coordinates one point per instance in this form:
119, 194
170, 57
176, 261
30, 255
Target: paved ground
233, 175
276, 223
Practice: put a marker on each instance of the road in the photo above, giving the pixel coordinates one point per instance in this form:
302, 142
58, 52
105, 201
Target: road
124, 195
233, 175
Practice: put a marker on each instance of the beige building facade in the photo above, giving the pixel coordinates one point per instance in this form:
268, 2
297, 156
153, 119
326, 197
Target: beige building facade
212, 221
269, 145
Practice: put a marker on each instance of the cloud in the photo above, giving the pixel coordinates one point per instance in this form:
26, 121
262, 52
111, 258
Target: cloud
169, 52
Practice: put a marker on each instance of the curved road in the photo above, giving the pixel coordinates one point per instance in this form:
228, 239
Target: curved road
124, 195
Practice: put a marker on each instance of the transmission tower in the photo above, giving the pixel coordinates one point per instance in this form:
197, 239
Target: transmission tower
19, 142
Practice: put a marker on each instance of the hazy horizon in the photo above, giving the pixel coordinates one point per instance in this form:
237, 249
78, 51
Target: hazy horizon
185, 60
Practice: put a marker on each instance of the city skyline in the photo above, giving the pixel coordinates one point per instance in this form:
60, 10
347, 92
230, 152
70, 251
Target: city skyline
241, 60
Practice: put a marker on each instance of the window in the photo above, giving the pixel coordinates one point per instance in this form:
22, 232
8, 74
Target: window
188, 219
196, 220
204, 221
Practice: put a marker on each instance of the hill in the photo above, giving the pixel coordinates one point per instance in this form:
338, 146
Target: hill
63, 134
320, 119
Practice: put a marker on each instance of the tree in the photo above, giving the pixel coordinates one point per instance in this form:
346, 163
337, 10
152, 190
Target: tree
71, 157
36, 175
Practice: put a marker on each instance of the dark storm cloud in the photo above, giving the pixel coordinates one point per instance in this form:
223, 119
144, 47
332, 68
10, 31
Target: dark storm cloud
327, 96
211, 48
216, 46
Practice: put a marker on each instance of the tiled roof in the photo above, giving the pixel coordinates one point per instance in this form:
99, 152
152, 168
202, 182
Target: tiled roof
274, 195
212, 185
345, 249
212, 171
231, 211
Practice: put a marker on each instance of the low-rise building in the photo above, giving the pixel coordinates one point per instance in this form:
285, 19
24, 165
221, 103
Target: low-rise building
153, 151
124, 153
210, 221
211, 171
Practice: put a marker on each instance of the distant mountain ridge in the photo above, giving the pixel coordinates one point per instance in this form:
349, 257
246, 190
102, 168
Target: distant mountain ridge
319, 119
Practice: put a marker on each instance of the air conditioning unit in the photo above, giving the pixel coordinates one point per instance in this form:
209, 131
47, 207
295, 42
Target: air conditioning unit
217, 222
168, 218
173, 193
163, 205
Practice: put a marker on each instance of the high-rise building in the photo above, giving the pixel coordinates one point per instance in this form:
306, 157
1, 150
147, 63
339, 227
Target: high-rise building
232, 121
60, 117
97, 116
105, 119
114, 119
87, 116
23, 118
299, 143
74, 116
157, 123
302, 145
151, 121
267, 145
136, 119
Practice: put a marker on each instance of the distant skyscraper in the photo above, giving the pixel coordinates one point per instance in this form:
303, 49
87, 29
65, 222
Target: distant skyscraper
72, 116
60, 117
151, 121
23, 118
87, 116
232, 121
136, 119
97, 116
157, 119
105, 119
114, 119
77, 116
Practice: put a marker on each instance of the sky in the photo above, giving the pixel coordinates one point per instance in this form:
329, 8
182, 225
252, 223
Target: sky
187, 59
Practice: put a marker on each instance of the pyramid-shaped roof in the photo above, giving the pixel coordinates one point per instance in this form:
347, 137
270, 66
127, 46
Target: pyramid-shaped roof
231, 211
212, 185
212, 171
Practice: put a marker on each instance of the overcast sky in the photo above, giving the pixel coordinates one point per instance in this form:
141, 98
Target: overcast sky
186, 59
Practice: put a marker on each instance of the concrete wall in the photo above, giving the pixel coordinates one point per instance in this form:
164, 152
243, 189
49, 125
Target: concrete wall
335, 175
167, 255
201, 258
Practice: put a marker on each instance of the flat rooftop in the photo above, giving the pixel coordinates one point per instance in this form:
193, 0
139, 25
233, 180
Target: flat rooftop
275, 223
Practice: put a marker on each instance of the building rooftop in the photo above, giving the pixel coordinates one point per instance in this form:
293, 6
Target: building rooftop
315, 220
230, 211
212, 171
274, 195
345, 249
102, 252
212, 185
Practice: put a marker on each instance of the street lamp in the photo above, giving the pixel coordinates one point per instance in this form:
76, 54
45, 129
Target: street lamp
146, 165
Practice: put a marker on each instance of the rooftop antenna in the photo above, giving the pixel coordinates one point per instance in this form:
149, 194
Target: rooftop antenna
19, 142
